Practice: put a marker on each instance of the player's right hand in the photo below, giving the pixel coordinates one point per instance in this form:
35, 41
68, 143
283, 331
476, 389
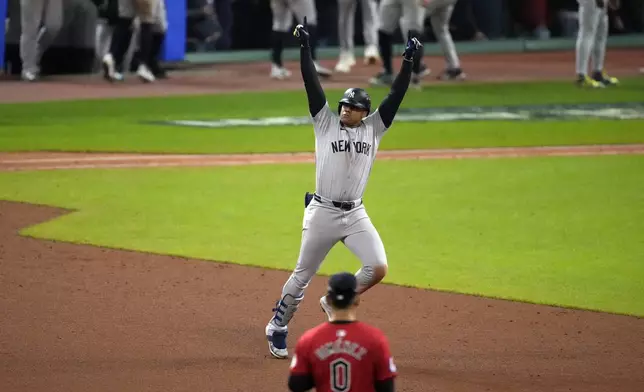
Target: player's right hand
302, 34
413, 44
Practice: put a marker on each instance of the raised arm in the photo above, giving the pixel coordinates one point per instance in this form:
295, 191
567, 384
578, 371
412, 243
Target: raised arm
390, 104
314, 91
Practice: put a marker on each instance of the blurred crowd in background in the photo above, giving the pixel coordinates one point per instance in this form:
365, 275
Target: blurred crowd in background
216, 25
221, 25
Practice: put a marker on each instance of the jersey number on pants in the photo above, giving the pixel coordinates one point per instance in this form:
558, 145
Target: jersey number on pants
340, 375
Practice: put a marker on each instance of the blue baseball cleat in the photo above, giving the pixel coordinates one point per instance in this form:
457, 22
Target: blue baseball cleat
277, 344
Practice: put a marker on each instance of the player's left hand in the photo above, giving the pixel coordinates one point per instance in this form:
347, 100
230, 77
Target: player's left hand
413, 44
302, 34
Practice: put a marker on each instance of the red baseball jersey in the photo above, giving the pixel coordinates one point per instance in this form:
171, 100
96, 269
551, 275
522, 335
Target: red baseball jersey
344, 357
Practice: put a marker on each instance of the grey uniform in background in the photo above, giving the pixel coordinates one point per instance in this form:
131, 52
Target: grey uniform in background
440, 14
346, 22
393, 13
41, 20
344, 158
592, 36
408, 15
284, 10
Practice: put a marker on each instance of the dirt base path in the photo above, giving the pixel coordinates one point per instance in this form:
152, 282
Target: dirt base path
81, 318
57, 161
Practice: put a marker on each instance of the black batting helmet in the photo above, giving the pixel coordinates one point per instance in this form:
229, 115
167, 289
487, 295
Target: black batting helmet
357, 98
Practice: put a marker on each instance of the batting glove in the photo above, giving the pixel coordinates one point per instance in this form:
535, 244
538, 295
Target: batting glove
302, 34
413, 44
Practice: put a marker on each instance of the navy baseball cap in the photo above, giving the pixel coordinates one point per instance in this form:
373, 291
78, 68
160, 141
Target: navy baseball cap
342, 288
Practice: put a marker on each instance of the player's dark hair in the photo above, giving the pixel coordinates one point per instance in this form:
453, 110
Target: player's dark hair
341, 292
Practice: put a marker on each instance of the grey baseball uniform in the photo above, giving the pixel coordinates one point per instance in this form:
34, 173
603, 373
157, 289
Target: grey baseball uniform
346, 22
283, 11
40, 20
393, 13
440, 13
344, 158
591, 37
103, 38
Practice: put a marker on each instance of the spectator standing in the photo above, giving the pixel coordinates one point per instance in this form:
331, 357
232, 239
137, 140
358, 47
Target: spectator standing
488, 18
203, 26
224, 11
440, 14
144, 10
346, 24
158, 37
283, 12
107, 17
592, 39
41, 21
532, 16
392, 14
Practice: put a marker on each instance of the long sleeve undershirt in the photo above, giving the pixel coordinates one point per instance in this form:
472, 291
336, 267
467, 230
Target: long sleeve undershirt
388, 107
314, 91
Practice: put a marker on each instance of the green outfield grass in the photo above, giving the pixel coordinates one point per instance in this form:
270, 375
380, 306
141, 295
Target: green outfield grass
558, 230
114, 125
165, 139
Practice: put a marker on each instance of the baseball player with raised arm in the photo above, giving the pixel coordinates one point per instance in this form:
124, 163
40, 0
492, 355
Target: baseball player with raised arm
592, 38
343, 354
346, 24
283, 12
346, 142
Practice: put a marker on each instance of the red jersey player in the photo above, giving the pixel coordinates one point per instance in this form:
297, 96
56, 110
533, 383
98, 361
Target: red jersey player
343, 354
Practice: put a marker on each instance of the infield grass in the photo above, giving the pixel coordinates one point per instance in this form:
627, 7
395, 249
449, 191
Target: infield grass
116, 124
557, 230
